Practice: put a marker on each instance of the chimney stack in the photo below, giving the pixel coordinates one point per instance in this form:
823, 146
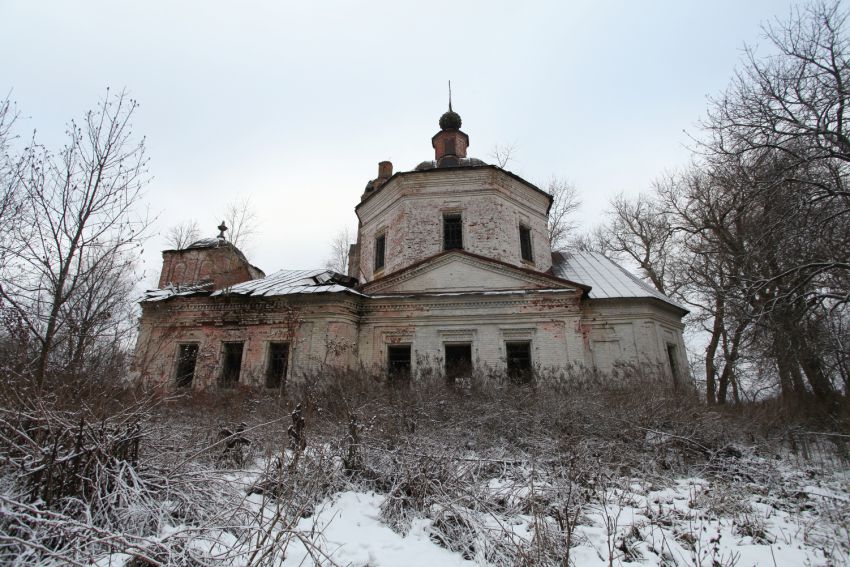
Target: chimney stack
385, 170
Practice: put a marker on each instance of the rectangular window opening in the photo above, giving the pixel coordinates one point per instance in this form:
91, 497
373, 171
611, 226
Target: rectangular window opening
458, 359
672, 357
187, 358
277, 365
380, 251
452, 232
518, 356
398, 362
231, 364
525, 243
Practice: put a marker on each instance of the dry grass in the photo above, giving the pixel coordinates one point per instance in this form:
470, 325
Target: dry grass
88, 469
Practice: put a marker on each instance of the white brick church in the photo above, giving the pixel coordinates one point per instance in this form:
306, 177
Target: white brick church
452, 273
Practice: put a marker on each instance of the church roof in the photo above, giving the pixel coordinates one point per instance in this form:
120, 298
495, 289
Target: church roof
284, 282
170, 291
206, 243
461, 162
287, 282
606, 279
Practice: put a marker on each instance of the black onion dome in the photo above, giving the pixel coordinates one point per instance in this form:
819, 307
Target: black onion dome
450, 120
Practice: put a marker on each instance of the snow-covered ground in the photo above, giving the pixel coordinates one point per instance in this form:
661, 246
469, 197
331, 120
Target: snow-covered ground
793, 515
514, 478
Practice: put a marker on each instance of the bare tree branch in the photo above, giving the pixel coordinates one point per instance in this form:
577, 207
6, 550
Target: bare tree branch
182, 235
243, 224
79, 230
503, 154
340, 247
565, 205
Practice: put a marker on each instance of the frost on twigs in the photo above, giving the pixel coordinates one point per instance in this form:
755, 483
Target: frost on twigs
585, 473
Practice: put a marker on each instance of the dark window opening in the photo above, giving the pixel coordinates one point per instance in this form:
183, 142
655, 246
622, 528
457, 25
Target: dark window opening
458, 361
674, 361
380, 250
452, 232
231, 365
449, 147
187, 357
278, 361
519, 360
525, 243
398, 362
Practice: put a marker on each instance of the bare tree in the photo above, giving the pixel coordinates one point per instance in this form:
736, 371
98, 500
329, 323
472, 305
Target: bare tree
340, 247
778, 145
242, 222
587, 241
79, 226
637, 230
792, 107
182, 235
565, 205
11, 167
503, 154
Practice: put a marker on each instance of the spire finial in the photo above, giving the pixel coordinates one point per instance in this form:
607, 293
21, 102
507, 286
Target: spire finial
221, 228
450, 119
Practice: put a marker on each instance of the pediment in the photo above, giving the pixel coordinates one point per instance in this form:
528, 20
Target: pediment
463, 272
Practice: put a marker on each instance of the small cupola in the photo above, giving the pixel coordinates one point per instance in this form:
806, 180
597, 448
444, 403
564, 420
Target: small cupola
450, 142
212, 261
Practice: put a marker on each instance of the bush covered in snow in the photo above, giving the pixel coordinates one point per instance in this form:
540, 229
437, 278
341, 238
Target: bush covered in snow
589, 472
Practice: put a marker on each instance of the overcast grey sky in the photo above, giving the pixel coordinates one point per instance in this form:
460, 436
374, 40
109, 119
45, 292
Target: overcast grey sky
293, 104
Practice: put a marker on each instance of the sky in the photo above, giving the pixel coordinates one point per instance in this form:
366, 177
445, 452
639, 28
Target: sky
293, 104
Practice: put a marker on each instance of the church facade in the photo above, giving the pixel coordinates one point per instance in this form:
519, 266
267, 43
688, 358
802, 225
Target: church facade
452, 273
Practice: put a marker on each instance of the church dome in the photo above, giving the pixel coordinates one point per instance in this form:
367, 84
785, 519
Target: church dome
450, 120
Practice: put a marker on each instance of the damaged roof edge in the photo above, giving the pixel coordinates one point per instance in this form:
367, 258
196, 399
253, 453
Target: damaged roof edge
282, 282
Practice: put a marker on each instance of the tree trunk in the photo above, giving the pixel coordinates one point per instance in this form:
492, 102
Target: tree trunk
711, 352
813, 368
723, 383
786, 388
797, 380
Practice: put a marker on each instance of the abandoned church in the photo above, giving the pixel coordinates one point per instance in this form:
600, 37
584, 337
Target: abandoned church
452, 272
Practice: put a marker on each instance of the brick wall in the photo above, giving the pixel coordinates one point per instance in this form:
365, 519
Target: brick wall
223, 265
409, 211
342, 332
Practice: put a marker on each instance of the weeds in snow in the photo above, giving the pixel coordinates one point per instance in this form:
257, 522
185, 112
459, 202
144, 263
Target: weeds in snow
507, 476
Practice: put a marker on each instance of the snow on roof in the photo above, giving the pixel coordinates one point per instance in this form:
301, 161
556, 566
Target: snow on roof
206, 243
177, 290
607, 279
286, 282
